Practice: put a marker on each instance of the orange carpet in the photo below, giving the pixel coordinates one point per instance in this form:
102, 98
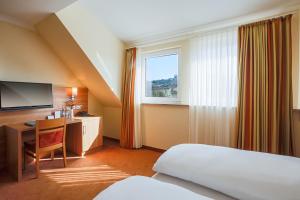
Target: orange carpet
84, 177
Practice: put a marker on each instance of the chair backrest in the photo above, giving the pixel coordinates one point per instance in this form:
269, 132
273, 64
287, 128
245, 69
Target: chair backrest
50, 134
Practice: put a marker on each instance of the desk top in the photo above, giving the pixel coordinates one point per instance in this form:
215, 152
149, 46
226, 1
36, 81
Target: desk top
22, 127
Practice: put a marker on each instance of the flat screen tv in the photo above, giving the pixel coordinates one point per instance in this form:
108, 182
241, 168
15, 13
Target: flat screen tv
20, 95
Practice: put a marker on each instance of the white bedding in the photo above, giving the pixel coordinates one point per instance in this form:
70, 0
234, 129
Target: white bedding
145, 188
196, 188
237, 173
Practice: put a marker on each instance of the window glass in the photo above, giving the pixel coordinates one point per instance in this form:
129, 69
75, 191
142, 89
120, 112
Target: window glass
161, 76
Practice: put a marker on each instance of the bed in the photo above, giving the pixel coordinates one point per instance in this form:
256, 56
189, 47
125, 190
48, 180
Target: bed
196, 188
198, 171
145, 188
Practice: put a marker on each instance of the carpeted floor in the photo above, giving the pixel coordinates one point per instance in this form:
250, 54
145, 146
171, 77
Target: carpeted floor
84, 177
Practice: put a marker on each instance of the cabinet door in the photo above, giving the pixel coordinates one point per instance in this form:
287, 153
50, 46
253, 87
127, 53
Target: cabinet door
91, 133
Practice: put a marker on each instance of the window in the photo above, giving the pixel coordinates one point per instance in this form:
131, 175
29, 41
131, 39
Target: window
161, 76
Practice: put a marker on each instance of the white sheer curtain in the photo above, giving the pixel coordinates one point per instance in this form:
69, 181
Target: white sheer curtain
137, 102
213, 87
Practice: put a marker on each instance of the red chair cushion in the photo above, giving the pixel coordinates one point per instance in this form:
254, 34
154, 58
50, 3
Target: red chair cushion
50, 139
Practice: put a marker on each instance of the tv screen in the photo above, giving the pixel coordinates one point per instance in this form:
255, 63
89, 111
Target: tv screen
19, 95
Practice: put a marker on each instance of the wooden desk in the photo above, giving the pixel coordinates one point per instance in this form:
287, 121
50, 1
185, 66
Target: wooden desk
17, 133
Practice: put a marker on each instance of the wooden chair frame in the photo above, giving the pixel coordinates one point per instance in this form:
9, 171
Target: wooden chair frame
45, 127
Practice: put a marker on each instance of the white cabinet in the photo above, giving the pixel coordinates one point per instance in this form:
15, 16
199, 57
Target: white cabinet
92, 131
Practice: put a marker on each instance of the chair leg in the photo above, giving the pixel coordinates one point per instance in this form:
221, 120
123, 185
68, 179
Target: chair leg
52, 155
65, 156
37, 165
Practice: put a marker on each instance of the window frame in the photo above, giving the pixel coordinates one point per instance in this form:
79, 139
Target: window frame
158, 53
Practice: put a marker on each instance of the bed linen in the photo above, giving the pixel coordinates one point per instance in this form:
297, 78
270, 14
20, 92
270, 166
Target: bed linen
237, 173
145, 188
196, 188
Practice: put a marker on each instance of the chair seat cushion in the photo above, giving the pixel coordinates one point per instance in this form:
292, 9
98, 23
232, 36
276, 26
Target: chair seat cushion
46, 140
50, 139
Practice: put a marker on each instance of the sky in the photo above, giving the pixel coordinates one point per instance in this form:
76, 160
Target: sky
162, 67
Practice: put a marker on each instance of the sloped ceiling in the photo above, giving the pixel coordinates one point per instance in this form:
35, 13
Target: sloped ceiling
104, 50
62, 42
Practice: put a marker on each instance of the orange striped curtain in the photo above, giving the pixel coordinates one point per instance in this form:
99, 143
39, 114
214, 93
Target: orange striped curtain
127, 126
265, 87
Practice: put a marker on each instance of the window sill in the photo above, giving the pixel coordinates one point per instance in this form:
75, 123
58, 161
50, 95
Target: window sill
165, 104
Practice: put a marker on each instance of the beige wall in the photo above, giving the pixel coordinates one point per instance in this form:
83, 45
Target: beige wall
103, 49
24, 56
165, 125
112, 122
95, 107
162, 125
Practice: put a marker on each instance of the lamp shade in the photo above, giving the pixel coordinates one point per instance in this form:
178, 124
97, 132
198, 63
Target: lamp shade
74, 91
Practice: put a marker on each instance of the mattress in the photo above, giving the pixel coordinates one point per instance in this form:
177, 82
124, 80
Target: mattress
192, 187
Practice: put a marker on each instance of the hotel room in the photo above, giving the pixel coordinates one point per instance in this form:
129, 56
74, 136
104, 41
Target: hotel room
150, 99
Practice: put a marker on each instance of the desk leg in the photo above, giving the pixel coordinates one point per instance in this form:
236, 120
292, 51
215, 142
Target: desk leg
14, 153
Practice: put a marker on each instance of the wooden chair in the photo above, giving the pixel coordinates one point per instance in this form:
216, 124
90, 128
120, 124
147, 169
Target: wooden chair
49, 136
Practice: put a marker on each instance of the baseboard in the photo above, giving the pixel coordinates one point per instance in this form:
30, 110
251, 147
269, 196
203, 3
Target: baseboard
110, 138
144, 147
154, 149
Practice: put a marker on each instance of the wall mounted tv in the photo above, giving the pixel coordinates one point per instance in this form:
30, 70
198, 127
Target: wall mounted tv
20, 95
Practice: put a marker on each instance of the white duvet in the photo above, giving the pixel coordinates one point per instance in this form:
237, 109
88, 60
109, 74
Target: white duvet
144, 188
240, 174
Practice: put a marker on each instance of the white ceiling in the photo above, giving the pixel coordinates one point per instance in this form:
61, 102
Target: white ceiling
30, 12
132, 20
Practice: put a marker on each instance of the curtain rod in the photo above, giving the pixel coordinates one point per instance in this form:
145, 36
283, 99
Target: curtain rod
269, 18
214, 26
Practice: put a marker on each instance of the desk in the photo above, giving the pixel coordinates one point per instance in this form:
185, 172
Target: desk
17, 133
